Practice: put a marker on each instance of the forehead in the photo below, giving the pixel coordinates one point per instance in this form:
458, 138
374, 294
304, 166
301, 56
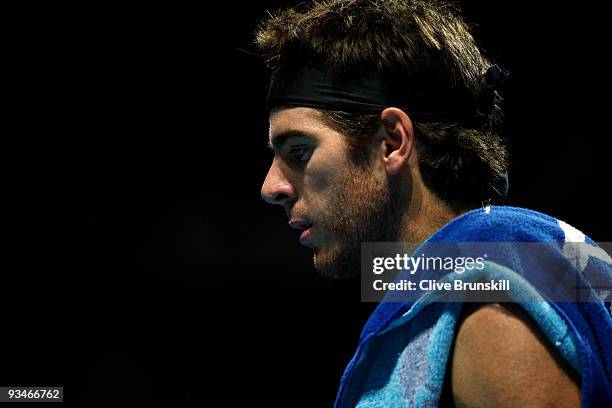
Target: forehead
300, 120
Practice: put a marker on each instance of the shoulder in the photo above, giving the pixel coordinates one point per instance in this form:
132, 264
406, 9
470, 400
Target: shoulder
501, 358
501, 223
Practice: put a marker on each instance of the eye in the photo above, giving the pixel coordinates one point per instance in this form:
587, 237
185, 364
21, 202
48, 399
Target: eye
301, 153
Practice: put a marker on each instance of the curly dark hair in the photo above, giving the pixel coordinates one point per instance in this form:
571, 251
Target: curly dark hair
429, 44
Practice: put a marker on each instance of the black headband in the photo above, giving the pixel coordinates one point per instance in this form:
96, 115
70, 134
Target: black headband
312, 85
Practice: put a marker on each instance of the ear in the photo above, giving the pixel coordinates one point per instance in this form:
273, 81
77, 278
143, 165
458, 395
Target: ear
397, 141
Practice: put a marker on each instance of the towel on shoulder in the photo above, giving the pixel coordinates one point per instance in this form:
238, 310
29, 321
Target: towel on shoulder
404, 346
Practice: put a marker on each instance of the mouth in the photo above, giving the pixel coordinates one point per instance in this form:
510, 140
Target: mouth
305, 227
305, 235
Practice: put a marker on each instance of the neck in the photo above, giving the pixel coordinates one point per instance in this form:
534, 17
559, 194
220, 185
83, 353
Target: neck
424, 215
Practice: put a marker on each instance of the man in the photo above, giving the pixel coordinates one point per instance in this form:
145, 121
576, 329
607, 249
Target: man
382, 118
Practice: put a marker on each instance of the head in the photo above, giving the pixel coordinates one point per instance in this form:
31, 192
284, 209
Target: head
347, 177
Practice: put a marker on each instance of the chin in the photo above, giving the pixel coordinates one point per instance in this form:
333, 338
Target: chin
336, 265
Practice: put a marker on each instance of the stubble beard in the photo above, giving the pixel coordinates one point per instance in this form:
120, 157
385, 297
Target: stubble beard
364, 210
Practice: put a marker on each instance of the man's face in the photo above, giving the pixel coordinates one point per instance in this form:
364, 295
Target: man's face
336, 203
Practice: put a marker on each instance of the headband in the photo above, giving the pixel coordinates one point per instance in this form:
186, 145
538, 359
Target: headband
314, 85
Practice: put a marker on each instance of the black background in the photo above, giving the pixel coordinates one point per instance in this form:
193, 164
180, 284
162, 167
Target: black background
140, 264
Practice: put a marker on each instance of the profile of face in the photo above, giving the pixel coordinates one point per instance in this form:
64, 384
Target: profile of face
336, 203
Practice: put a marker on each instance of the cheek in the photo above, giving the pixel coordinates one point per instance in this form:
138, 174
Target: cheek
318, 182
323, 182
315, 192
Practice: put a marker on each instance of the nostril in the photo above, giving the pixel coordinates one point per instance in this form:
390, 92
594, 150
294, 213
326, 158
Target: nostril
281, 197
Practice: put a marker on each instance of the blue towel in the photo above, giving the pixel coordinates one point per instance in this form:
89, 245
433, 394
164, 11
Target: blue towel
404, 347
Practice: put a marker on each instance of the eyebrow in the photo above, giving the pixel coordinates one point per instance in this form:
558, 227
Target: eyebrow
278, 141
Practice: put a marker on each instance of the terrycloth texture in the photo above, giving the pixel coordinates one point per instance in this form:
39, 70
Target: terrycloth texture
411, 352
404, 347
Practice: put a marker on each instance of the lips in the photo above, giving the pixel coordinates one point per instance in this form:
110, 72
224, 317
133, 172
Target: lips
305, 235
305, 227
299, 224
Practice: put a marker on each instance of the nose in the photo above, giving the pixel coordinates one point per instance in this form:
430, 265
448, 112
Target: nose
276, 189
